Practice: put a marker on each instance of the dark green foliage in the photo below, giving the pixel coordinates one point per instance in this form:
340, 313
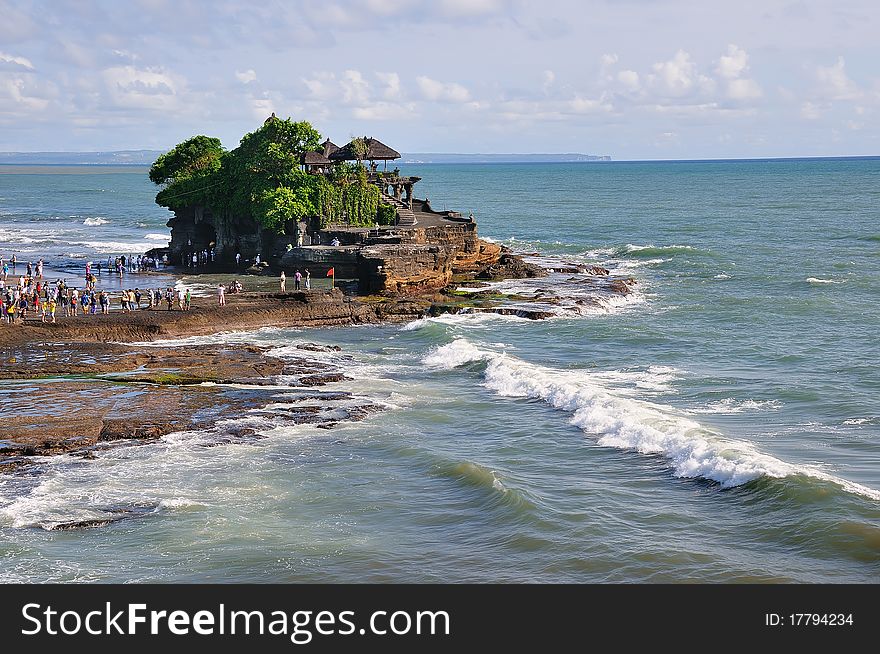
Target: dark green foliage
359, 148
262, 179
189, 171
195, 157
386, 214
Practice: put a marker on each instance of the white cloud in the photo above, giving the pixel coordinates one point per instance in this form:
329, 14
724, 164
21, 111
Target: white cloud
149, 89
734, 63
391, 81
580, 105
608, 59
469, 8
353, 95
743, 89
811, 111
262, 107
731, 67
629, 79
355, 89
678, 76
321, 86
125, 54
385, 111
76, 54
16, 62
834, 82
246, 76
547, 78
22, 97
437, 91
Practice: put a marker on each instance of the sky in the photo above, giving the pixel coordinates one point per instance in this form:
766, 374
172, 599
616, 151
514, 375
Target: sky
633, 79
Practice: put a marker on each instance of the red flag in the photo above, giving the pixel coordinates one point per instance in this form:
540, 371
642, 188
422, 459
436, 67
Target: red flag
331, 272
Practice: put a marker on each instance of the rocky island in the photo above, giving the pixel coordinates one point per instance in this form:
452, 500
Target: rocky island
282, 201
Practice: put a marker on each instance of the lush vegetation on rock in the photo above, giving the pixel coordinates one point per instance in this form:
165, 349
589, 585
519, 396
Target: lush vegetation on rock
262, 179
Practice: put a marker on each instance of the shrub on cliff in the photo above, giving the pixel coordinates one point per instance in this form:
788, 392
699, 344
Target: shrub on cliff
262, 179
386, 214
188, 171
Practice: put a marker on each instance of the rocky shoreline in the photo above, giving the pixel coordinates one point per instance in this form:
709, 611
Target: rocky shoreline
91, 382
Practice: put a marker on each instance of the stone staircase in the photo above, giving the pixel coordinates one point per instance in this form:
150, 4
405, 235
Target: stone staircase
405, 215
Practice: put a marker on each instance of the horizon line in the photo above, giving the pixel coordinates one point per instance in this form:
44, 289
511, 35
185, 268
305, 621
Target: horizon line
608, 158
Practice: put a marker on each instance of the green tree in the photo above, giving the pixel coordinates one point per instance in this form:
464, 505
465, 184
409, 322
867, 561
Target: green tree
359, 148
277, 147
262, 179
195, 157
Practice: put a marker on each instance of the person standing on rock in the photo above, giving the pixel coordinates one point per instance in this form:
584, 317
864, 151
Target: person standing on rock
297, 278
283, 280
308, 279
221, 295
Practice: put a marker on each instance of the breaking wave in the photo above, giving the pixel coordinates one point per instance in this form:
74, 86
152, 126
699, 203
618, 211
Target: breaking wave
820, 280
730, 406
654, 251
693, 450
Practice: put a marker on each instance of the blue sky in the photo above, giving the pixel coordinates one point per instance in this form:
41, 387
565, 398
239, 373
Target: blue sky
635, 79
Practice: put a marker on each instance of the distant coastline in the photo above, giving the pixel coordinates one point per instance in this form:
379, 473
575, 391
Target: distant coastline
147, 157
140, 158
117, 157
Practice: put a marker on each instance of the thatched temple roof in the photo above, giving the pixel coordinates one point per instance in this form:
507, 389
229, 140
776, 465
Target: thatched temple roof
315, 159
376, 151
329, 147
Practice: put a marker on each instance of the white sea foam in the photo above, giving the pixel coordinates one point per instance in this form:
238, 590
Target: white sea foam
28, 236
196, 290
180, 503
637, 263
820, 280
655, 379
722, 276
95, 222
457, 353
862, 421
116, 247
692, 449
158, 237
615, 303
638, 248
460, 319
730, 405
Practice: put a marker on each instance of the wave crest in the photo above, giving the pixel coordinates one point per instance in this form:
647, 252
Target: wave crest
624, 423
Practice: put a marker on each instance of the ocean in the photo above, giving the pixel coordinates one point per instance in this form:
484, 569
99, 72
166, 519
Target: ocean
719, 425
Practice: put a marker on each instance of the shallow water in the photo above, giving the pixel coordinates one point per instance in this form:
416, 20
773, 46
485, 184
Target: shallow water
720, 425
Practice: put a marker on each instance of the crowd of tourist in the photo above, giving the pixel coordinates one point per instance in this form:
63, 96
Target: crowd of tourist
31, 295
122, 264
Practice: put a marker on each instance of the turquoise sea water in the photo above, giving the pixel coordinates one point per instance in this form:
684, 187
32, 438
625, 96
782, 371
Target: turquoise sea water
720, 425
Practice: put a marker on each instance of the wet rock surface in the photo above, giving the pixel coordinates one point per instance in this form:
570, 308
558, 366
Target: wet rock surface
510, 266
80, 398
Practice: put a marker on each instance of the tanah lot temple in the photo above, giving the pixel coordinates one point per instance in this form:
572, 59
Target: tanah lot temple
416, 249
